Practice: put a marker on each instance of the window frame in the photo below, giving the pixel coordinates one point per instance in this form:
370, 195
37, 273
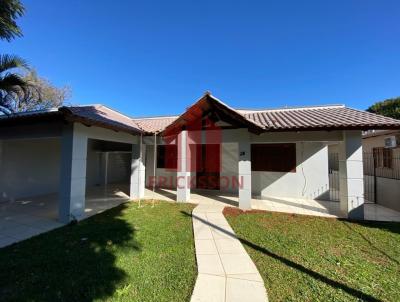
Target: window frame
277, 153
162, 160
383, 157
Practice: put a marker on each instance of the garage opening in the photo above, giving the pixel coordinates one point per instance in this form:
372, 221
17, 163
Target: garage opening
29, 186
108, 171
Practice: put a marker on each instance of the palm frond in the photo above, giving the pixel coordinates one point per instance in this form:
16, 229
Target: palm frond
10, 80
8, 62
16, 93
10, 10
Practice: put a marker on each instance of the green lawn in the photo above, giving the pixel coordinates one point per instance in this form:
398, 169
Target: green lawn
124, 254
305, 258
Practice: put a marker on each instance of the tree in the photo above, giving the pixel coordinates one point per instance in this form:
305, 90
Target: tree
389, 107
14, 90
21, 89
10, 10
45, 95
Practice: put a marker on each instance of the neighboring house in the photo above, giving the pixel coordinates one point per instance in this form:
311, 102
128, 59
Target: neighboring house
259, 153
382, 166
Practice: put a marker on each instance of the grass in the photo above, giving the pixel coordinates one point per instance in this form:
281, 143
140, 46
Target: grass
304, 258
124, 254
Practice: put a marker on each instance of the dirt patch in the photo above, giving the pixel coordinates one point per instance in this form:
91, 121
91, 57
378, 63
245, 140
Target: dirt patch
230, 211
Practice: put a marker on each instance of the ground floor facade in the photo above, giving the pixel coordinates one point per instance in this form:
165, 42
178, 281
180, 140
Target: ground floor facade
297, 166
69, 163
267, 159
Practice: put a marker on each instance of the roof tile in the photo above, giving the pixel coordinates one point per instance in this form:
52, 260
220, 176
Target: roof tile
103, 116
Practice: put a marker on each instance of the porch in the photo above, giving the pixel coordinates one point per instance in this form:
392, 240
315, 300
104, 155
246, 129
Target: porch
312, 207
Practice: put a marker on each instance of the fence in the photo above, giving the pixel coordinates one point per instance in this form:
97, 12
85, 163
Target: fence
333, 166
380, 164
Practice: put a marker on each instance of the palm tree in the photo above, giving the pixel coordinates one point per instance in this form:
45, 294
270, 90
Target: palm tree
14, 90
10, 10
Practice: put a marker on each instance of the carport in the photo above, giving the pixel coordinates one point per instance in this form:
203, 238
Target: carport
61, 165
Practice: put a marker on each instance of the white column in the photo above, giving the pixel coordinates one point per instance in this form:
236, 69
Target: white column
73, 174
183, 172
351, 175
244, 175
137, 185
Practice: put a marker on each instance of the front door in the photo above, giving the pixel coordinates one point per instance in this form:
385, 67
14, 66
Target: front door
208, 166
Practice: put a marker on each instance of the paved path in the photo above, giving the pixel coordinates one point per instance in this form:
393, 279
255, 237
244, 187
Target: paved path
226, 271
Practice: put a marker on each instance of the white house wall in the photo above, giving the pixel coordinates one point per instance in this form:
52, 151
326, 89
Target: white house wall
29, 168
105, 134
310, 180
388, 192
119, 167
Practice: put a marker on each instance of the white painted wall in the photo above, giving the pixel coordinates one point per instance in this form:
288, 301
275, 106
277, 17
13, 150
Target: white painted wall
29, 168
313, 162
388, 192
119, 166
311, 179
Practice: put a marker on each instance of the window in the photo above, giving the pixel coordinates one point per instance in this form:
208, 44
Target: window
383, 157
273, 157
167, 156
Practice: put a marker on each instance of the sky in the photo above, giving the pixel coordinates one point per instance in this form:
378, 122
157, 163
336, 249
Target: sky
149, 58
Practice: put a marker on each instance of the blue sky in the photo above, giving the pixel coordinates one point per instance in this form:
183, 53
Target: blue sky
157, 57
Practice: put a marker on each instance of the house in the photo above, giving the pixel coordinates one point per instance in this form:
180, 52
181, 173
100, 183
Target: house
211, 146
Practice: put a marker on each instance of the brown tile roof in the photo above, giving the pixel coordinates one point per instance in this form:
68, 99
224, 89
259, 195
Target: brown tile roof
319, 118
154, 124
334, 117
101, 116
297, 119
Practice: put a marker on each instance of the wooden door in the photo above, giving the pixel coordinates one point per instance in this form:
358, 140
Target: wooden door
208, 163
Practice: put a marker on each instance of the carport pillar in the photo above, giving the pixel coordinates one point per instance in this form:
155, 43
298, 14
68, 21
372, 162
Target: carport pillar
137, 172
183, 172
351, 175
73, 174
244, 175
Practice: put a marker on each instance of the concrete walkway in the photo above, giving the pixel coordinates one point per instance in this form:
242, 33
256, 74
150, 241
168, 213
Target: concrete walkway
226, 271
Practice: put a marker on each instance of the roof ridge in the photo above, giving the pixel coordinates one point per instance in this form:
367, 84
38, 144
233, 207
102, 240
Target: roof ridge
116, 111
101, 105
291, 108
